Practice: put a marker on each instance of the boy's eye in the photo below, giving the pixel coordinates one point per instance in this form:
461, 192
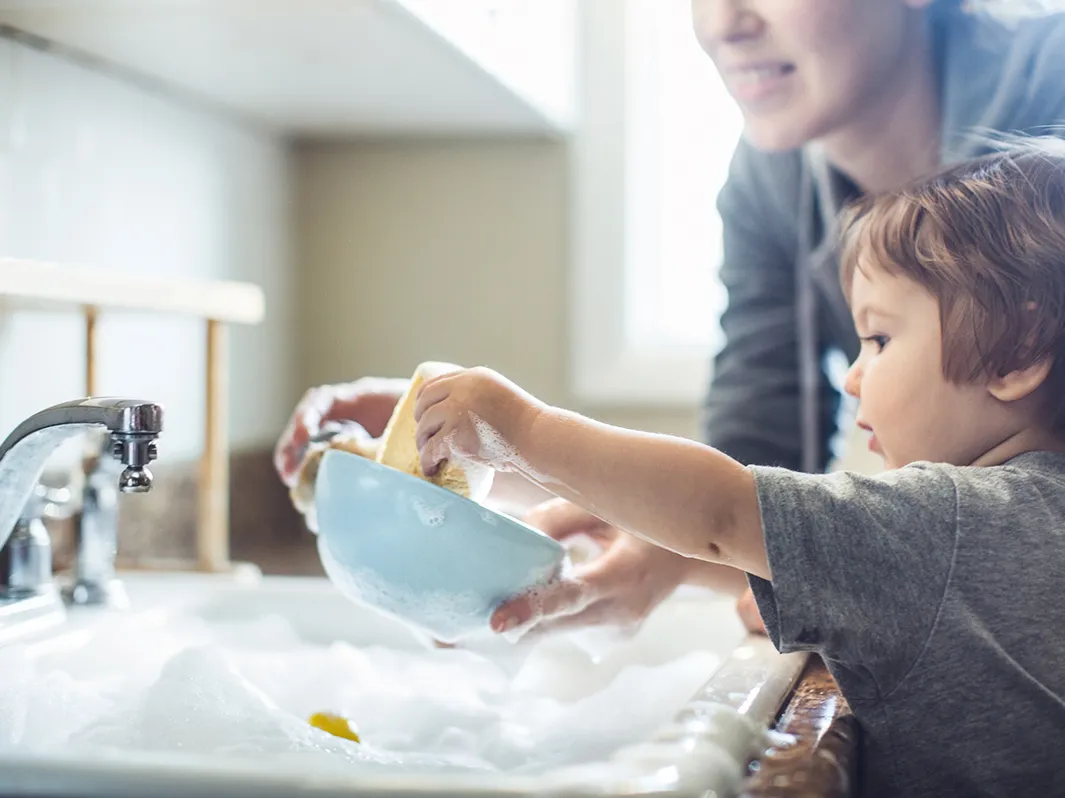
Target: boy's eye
880, 341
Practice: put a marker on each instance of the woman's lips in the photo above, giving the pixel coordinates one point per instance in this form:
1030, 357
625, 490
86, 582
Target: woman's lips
758, 81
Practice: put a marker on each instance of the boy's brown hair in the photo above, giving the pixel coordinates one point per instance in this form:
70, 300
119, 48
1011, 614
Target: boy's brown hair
987, 239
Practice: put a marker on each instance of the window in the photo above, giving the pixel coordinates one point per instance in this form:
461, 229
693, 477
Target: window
652, 153
693, 128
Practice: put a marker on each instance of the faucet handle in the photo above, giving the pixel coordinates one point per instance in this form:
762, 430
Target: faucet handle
26, 559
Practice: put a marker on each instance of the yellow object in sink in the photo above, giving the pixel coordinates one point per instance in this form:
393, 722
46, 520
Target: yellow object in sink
336, 725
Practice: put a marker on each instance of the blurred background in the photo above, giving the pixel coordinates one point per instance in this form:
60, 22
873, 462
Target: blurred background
524, 185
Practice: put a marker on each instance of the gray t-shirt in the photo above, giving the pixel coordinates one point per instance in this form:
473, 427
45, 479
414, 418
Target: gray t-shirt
934, 594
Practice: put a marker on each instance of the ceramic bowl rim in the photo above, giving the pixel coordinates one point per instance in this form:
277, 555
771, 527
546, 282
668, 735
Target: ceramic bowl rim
394, 473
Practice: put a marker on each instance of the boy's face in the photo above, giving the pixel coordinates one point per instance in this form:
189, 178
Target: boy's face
912, 412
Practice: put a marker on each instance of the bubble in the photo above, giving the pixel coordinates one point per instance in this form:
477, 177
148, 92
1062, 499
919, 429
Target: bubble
578, 597
243, 689
479, 475
501, 455
427, 514
444, 614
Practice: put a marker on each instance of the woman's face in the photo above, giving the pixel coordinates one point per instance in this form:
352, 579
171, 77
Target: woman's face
803, 69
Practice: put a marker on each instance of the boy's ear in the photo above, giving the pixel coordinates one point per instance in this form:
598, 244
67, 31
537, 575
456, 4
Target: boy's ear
1020, 383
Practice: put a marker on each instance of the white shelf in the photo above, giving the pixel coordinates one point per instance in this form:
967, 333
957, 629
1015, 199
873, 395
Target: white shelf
334, 67
37, 284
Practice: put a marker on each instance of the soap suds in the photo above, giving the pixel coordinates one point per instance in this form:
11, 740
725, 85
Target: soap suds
429, 515
479, 475
232, 690
443, 614
239, 688
497, 452
543, 600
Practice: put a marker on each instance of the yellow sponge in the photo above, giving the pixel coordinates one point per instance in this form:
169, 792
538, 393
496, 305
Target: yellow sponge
400, 451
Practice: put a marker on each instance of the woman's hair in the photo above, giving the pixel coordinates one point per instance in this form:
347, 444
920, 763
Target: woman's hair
986, 238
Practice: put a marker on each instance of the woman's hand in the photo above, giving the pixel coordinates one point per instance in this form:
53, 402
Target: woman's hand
747, 609
368, 401
620, 587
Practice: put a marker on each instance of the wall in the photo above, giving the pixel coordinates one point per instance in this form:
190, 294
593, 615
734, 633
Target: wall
96, 171
412, 251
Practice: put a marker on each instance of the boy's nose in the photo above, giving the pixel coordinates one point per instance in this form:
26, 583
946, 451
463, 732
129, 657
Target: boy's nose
853, 382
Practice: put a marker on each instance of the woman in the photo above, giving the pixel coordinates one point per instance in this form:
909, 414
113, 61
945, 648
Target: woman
839, 98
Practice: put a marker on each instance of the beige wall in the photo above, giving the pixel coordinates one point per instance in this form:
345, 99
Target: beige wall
416, 250
412, 251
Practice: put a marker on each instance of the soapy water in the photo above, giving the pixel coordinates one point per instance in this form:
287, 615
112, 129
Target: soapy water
500, 454
245, 689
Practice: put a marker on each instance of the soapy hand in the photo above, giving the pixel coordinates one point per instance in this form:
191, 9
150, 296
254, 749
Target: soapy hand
621, 587
475, 414
368, 401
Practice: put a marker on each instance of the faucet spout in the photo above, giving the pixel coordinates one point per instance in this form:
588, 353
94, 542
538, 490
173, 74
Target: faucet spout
134, 426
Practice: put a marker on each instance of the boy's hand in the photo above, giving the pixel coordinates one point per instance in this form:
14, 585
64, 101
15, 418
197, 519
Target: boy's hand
475, 414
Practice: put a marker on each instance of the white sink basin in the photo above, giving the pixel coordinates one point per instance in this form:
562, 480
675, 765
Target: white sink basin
205, 686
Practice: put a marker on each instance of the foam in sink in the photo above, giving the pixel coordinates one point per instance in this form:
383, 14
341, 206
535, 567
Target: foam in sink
246, 688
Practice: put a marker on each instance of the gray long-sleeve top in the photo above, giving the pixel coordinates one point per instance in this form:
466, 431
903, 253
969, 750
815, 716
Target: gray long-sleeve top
770, 400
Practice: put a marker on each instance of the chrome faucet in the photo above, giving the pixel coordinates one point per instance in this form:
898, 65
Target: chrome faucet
96, 532
133, 427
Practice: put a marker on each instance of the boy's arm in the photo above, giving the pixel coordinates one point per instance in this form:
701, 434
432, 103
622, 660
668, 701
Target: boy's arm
679, 494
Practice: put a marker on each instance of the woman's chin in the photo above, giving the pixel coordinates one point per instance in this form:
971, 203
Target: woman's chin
784, 129
772, 137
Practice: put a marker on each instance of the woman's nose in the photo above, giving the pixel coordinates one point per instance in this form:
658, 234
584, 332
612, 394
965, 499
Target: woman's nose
720, 22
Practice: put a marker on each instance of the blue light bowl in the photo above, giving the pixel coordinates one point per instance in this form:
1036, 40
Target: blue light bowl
420, 553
